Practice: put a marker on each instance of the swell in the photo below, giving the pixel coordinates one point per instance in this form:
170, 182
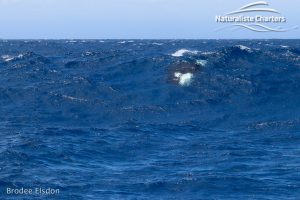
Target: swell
235, 84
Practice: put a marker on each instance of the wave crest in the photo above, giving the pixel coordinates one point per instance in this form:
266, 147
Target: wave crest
182, 52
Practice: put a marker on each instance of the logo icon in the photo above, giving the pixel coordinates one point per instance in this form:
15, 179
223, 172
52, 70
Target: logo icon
256, 16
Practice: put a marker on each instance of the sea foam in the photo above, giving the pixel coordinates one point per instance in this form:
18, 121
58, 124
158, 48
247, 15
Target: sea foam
181, 52
184, 79
8, 58
244, 48
201, 62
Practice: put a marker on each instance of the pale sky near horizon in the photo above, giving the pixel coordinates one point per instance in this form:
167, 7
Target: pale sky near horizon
131, 19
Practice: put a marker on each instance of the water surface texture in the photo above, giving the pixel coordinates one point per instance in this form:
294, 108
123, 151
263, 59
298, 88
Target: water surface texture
143, 119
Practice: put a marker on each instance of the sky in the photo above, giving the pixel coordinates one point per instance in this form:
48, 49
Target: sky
132, 19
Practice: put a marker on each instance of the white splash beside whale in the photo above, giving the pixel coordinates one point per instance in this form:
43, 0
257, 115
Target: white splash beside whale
184, 79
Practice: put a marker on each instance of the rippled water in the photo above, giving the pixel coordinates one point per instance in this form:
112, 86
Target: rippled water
143, 119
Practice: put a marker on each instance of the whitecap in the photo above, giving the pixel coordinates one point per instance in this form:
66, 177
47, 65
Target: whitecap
208, 53
8, 58
74, 98
156, 43
124, 42
283, 46
71, 41
88, 53
244, 48
181, 52
53, 71
201, 62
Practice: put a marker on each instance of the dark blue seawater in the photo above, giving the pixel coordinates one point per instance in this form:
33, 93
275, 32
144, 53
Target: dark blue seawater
143, 119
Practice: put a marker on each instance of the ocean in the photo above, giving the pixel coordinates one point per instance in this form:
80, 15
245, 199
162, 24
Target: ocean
150, 119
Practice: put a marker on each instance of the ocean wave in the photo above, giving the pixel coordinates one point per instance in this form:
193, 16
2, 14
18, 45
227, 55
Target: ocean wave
74, 98
73, 63
8, 58
276, 125
157, 43
284, 46
244, 48
201, 62
126, 41
71, 41
88, 53
182, 52
136, 113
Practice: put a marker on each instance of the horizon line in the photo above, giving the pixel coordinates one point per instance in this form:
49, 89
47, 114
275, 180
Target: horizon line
149, 39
